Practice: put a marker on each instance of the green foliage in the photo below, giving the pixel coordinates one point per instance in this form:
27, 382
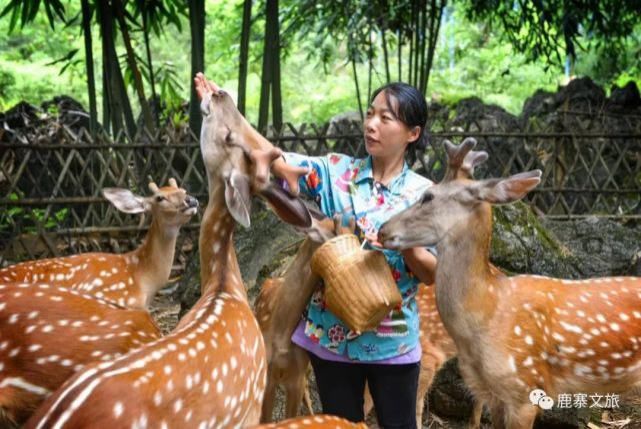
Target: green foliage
33, 219
472, 59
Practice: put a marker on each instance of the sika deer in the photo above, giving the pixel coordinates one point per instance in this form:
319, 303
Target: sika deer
48, 333
315, 422
211, 370
518, 334
131, 279
279, 307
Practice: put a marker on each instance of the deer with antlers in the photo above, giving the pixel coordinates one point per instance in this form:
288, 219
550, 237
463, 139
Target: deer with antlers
210, 371
131, 279
47, 333
517, 335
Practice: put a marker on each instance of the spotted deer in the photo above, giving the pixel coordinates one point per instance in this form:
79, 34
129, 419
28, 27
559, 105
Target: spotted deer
313, 422
47, 333
210, 371
279, 307
518, 334
131, 279
436, 344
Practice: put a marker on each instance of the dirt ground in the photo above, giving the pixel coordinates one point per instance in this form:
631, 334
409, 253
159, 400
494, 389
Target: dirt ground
165, 311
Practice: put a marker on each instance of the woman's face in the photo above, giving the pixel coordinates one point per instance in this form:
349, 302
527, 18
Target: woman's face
385, 135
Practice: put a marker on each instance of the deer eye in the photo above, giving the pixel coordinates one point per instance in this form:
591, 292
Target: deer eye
427, 197
160, 198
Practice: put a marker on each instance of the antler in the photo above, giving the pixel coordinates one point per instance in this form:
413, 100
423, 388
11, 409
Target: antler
462, 160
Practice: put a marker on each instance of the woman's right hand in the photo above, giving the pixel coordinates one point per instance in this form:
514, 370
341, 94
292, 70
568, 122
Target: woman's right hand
290, 173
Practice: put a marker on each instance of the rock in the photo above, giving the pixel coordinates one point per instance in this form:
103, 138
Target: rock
627, 97
604, 247
449, 397
522, 244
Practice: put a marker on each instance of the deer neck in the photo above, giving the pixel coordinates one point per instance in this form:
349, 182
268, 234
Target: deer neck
298, 285
219, 268
155, 259
463, 277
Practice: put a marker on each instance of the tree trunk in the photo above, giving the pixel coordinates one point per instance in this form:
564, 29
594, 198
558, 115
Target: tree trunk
119, 106
131, 60
152, 78
91, 83
400, 55
244, 55
269, 56
370, 55
358, 91
385, 56
277, 99
197, 28
435, 28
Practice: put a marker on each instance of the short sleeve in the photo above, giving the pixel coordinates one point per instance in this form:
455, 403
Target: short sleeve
316, 184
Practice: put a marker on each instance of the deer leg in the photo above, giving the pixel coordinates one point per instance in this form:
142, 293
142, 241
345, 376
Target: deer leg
294, 391
497, 411
477, 412
521, 417
296, 385
307, 398
425, 378
267, 410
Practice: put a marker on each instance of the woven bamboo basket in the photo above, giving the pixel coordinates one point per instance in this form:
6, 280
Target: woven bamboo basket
359, 286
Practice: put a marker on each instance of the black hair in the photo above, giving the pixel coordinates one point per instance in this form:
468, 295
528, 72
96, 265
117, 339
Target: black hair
410, 108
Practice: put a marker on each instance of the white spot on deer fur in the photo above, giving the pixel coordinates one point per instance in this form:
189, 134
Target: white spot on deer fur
118, 409
512, 363
219, 386
13, 318
614, 326
571, 328
529, 340
34, 347
24, 385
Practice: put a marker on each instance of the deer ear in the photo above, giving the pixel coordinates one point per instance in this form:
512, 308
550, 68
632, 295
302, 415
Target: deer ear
287, 207
238, 197
513, 188
125, 201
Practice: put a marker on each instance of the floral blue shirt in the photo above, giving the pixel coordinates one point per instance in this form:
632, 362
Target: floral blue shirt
344, 185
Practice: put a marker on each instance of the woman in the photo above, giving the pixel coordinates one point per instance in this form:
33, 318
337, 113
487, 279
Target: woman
371, 189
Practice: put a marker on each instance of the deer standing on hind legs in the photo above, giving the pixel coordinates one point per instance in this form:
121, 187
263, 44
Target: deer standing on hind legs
211, 370
131, 279
518, 334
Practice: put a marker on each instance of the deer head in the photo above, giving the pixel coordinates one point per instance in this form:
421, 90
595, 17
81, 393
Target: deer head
231, 150
452, 204
170, 205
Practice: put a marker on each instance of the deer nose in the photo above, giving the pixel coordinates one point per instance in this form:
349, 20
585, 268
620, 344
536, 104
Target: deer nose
382, 233
191, 201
